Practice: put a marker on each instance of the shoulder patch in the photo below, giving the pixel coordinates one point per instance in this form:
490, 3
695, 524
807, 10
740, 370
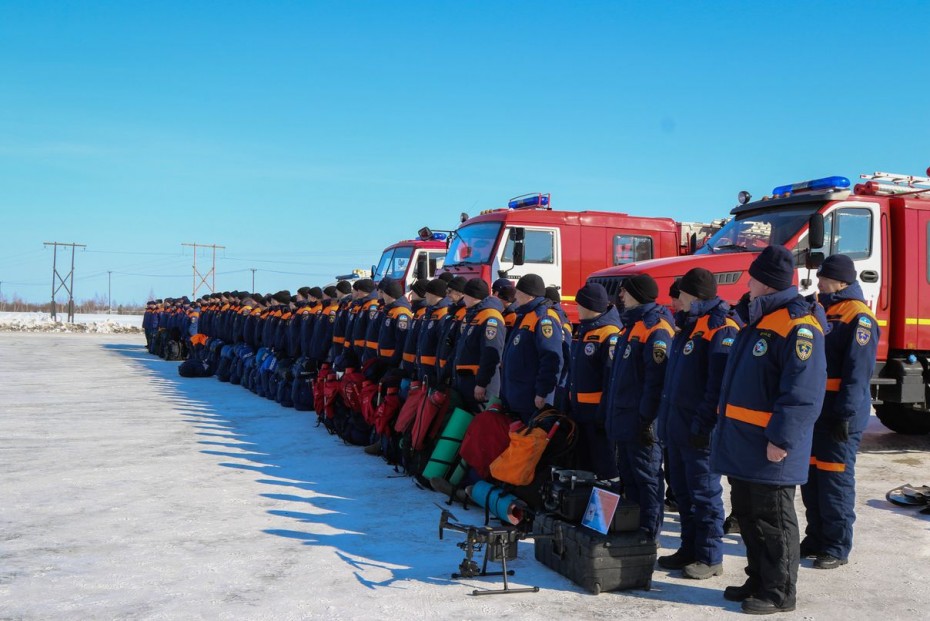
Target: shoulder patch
492, 322
803, 348
760, 348
865, 322
688, 348
589, 349
863, 336
659, 351
402, 322
805, 333
547, 330
727, 342
490, 332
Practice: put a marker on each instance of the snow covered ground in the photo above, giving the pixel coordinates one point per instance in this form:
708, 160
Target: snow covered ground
42, 322
128, 492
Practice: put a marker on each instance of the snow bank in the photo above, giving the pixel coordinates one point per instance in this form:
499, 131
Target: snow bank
43, 322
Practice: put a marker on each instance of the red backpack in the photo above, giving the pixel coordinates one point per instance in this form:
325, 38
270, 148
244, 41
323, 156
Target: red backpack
387, 410
368, 400
487, 437
351, 388
408, 413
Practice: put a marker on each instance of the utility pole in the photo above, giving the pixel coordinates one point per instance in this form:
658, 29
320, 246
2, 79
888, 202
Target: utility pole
210, 274
253, 278
1, 295
109, 291
57, 278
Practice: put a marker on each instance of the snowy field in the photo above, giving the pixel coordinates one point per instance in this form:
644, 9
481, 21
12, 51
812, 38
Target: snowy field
43, 322
131, 493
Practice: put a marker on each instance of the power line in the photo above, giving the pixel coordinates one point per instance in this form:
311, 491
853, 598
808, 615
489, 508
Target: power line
211, 274
69, 286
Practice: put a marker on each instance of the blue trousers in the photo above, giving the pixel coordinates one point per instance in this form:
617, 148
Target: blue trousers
830, 494
643, 483
700, 503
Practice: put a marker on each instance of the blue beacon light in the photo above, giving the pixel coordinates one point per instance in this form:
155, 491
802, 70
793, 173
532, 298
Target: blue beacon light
826, 183
529, 200
439, 236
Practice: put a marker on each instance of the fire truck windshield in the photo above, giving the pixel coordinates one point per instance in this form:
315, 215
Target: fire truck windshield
754, 231
473, 244
393, 263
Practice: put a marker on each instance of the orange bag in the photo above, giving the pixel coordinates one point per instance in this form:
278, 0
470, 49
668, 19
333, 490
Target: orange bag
517, 464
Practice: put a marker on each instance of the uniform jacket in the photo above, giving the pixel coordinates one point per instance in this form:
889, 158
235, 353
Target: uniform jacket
409, 360
592, 353
772, 391
532, 359
394, 322
851, 342
638, 371
694, 371
366, 311
428, 340
322, 341
478, 350
450, 327
342, 326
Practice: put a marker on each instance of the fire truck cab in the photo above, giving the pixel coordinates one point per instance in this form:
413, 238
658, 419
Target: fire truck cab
413, 258
561, 246
818, 218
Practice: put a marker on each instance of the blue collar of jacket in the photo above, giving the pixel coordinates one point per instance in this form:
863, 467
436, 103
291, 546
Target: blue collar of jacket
608, 317
852, 292
371, 296
490, 302
532, 305
789, 299
443, 303
715, 307
650, 314
401, 301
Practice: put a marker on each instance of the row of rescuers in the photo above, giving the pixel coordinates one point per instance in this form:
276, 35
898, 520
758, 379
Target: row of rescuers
772, 394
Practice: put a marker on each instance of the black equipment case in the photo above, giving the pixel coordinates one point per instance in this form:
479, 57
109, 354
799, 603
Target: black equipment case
593, 561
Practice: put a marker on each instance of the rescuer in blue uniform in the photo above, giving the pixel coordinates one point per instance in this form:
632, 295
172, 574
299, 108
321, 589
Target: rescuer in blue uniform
450, 327
322, 341
687, 417
394, 319
771, 395
342, 327
418, 308
636, 380
851, 342
532, 360
428, 339
478, 350
592, 354
366, 312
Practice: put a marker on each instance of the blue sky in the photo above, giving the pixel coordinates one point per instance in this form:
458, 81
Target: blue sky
307, 136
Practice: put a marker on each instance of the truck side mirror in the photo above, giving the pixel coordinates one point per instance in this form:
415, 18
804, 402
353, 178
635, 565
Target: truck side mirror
814, 260
373, 268
422, 268
518, 236
815, 232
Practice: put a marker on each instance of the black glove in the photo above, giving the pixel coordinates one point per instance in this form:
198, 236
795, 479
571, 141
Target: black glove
646, 437
840, 431
699, 441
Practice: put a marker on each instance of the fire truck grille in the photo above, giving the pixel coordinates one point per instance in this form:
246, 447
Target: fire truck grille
727, 278
611, 283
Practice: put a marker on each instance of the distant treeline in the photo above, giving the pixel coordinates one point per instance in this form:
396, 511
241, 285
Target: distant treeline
96, 306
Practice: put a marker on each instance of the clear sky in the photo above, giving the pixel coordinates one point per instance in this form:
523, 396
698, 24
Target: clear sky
307, 136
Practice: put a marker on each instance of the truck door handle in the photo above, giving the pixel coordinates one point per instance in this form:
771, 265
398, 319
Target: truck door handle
868, 276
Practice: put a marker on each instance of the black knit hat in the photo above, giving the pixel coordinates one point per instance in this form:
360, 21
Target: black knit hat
477, 288
838, 267
700, 283
593, 296
304, 291
330, 292
674, 291
391, 287
282, 297
366, 285
344, 287
552, 293
437, 287
419, 286
642, 287
532, 284
507, 294
314, 292
458, 284
446, 277
501, 283
774, 267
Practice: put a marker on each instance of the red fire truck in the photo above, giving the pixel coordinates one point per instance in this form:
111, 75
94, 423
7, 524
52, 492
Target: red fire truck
412, 258
819, 218
562, 246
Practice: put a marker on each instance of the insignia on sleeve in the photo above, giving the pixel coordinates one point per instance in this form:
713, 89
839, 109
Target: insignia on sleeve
373, 312
613, 345
491, 322
863, 336
803, 348
402, 322
490, 332
760, 348
627, 351
471, 329
547, 330
659, 351
865, 322
429, 326
688, 348
804, 333
387, 322
332, 318
516, 339
589, 349
727, 342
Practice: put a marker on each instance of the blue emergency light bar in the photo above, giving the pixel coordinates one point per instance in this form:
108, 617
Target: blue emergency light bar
439, 236
827, 183
529, 200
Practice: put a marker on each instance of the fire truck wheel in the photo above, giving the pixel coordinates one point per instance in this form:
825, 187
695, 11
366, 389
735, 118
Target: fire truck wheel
902, 419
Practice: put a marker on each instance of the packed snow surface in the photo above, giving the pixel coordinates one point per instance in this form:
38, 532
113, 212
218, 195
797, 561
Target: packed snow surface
43, 322
129, 492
